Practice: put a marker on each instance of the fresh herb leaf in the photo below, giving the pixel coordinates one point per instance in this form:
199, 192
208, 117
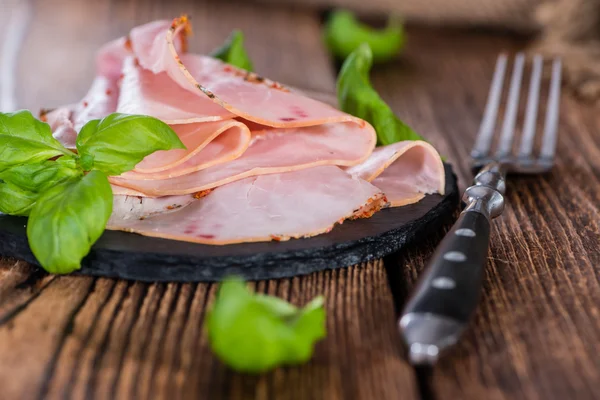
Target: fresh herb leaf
255, 333
115, 144
39, 177
233, 52
356, 96
16, 201
25, 139
67, 219
344, 34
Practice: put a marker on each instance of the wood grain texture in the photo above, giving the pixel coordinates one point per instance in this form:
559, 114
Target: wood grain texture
537, 333
537, 330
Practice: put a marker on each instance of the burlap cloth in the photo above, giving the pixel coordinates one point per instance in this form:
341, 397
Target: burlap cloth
567, 28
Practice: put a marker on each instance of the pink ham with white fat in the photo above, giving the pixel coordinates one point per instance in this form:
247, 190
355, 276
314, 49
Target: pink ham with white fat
267, 207
144, 92
272, 151
404, 171
145, 41
262, 162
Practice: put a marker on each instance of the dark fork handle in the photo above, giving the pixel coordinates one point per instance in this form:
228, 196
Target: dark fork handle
448, 292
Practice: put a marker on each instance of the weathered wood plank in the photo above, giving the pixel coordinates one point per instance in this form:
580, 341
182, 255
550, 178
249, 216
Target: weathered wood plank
115, 339
537, 332
29, 342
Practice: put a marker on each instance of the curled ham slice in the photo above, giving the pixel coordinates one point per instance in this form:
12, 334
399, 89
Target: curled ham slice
146, 93
404, 171
206, 145
244, 93
267, 207
272, 151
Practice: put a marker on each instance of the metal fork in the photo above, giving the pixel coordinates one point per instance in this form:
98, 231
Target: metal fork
448, 291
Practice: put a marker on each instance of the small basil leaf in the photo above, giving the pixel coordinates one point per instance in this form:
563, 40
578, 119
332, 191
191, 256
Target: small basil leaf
255, 333
356, 96
38, 177
233, 52
16, 201
67, 219
344, 33
25, 139
115, 144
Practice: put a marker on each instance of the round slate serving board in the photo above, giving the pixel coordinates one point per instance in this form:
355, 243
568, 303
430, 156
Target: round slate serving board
131, 256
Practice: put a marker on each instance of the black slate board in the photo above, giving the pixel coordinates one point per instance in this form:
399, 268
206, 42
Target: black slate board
131, 256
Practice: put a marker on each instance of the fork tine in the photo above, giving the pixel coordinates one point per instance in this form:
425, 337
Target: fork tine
510, 118
488, 123
526, 146
551, 122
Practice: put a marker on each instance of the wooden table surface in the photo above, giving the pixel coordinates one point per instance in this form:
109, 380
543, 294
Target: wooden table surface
536, 334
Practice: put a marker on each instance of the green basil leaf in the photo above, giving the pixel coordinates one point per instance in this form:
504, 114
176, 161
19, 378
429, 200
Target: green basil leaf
39, 177
233, 52
344, 33
67, 219
356, 96
16, 201
254, 333
115, 144
25, 139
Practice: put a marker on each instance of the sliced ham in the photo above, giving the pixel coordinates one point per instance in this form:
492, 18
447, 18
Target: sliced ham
100, 100
267, 207
262, 162
61, 125
244, 93
207, 144
146, 93
272, 151
404, 171
146, 42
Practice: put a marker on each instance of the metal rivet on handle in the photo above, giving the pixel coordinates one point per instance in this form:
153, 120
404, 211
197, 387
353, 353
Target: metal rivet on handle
443, 283
456, 256
465, 232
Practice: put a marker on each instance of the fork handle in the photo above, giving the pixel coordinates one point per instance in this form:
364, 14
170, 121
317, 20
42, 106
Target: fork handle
448, 291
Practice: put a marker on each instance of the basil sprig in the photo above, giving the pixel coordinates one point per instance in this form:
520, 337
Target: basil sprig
343, 34
254, 333
233, 52
67, 195
356, 96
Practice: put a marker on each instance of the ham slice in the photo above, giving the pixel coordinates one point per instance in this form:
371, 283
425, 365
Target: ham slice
262, 162
207, 144
404, 171
244, 93
100, 100
272, 151
61, 125
146, 42
146, 93
263, 208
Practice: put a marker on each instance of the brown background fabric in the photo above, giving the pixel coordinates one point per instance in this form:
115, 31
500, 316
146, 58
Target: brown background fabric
513, 14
